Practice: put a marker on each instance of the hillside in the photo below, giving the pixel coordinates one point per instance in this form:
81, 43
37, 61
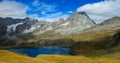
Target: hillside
9, 57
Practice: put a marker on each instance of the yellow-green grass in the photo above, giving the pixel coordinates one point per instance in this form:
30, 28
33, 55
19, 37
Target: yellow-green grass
10, 57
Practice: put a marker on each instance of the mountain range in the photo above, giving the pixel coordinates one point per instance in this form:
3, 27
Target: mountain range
31, 31
74, 24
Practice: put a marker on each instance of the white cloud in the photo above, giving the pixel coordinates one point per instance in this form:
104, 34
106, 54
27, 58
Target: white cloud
13, 9
43, 7
54, 17
102, 10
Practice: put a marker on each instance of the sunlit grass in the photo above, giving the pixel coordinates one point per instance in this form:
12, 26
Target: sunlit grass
9, 57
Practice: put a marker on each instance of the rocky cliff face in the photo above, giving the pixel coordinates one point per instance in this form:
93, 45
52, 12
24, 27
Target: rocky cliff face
16, 26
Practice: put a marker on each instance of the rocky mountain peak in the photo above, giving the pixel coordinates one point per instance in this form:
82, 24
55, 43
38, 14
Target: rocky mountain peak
79, 13
82, 13
80, 17
75, 23
76, 15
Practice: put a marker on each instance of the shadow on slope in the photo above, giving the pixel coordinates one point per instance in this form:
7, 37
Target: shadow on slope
97, 47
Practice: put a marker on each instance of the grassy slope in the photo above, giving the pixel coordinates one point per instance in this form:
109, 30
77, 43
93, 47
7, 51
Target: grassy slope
92, 41
9, 57
91, 35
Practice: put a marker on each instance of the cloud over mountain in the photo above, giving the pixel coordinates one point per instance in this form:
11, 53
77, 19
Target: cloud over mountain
103, 10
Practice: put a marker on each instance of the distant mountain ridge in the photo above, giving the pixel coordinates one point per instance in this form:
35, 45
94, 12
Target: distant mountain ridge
74, 24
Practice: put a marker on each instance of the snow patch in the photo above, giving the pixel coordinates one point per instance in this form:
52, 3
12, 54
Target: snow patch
13, 27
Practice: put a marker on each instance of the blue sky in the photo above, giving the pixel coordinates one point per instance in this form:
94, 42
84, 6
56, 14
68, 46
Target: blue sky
64, 6
52, 10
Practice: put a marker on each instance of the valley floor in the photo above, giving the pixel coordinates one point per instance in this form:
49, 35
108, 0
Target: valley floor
10, 57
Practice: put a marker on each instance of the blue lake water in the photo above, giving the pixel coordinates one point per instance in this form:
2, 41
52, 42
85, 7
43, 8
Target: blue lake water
33, 52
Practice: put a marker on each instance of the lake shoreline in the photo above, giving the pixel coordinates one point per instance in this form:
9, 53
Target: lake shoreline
33, 52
